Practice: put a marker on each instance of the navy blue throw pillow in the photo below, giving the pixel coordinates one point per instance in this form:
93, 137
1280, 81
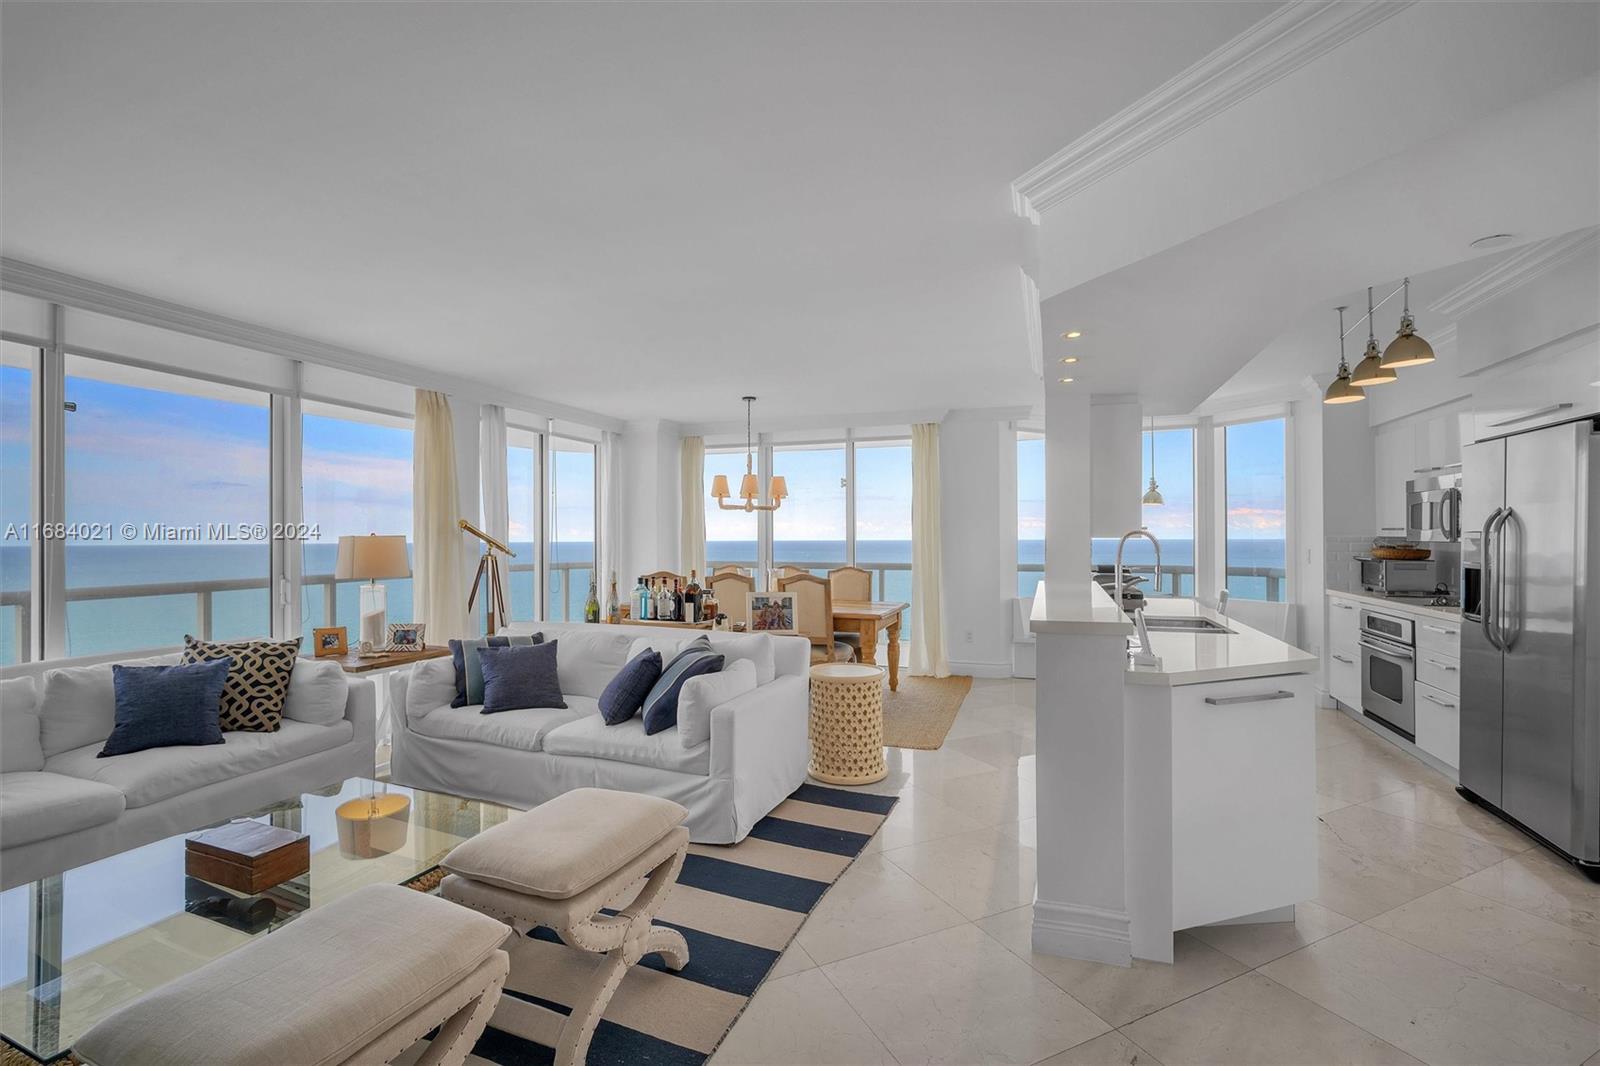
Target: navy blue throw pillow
166, 706
661, 706
625, 694
469, 682
520, 676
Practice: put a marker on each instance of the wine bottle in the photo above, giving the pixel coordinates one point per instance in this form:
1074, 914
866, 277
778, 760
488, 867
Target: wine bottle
591, 606
691, 599
613, 608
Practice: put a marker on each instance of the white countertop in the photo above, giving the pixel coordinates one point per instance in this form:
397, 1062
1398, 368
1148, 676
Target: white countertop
1082, 607
1198, 658
1401, 606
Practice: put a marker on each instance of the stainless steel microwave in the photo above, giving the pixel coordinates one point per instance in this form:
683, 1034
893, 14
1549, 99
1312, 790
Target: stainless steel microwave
1433, 507
1400, 577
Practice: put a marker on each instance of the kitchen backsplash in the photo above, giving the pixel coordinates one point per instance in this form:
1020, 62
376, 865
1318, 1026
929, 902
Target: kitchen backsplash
1340, 556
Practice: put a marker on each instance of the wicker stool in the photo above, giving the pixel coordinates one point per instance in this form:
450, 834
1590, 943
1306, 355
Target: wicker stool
847, 724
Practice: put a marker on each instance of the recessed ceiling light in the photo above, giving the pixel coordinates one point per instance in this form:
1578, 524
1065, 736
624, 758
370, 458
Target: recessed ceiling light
1494, 240
1071, 335
1069, 359
1066, 381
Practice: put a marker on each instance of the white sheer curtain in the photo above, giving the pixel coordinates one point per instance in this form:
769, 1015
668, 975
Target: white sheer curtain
692, 527
438, 584
927, 555
609, 521
492, 471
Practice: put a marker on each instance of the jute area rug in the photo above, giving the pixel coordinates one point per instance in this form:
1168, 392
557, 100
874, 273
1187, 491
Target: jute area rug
922, 712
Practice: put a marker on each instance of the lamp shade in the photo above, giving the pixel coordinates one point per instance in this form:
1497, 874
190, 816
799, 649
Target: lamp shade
1372, 370
373, 557
719, 487
748, 488
780, 487
1341, 391
1407, 349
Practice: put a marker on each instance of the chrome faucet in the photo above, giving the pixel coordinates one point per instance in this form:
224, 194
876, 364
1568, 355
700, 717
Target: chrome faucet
1123, 543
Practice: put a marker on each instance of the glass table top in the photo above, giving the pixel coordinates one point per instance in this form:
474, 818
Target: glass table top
76, 946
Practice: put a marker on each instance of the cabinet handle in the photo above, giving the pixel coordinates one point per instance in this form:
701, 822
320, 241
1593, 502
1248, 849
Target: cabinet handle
1441, 629
1552, 409
1442, 666
1436, 699
1225, 701
1342, 659
1345, 606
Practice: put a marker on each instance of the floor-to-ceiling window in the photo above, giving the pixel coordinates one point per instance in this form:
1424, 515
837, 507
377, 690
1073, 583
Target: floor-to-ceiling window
522, 502
16, 467
1030, 511
356, 478
810, 529
883, 516
1172, 520
1256, 494
572, 527
170, 479
731, 536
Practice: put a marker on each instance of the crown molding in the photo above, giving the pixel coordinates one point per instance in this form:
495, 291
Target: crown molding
1273, 48
69, 290
1514, 271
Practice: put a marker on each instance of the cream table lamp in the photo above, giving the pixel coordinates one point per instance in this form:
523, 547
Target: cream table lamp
372, 558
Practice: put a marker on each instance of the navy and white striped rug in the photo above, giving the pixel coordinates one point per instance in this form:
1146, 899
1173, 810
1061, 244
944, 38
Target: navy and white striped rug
738, 906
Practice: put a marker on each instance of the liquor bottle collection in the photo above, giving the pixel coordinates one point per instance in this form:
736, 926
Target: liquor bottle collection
661, 599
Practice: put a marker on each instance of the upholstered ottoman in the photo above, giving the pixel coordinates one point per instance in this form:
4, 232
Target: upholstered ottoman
357, 981
558, 865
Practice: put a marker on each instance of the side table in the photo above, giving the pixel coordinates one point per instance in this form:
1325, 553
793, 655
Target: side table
846, 725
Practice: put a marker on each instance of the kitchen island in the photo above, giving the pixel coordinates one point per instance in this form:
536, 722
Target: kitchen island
1170, 795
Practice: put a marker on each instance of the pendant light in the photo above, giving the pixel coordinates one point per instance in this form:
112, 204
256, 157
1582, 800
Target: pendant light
1371, 370
1341, 390
1407, 349
1152, 495
749, 488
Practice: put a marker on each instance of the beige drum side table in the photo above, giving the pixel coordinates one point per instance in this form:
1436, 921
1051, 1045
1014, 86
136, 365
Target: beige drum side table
847, 724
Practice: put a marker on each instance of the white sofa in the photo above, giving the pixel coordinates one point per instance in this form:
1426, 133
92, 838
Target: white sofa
61, 807
756, 757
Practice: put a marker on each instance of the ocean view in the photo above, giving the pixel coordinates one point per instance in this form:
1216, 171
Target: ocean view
114, 624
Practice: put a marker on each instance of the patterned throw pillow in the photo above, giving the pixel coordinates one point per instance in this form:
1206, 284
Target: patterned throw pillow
661, 706
258, 681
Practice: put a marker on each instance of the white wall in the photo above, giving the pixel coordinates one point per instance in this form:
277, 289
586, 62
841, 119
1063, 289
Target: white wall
1066, 492
978, 482
650, 499
1306, 478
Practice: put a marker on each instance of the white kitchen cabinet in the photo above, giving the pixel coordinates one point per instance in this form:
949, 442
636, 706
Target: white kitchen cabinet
1437, 442
1344, 651
1394, 460
1439, 723
1556, 387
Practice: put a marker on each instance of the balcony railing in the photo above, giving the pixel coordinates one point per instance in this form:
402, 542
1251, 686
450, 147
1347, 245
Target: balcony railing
1178, 579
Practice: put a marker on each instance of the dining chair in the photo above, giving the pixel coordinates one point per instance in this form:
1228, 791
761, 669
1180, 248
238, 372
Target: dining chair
813, 617
855, 584
790, 571
728, 568
730, 588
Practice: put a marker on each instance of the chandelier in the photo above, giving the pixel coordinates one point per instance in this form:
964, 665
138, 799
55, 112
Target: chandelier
749, 486
1407, 349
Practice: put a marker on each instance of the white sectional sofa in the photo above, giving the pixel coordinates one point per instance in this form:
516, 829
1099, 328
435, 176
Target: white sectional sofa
61, 807
757, 754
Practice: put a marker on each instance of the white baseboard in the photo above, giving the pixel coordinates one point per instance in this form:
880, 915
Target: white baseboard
1075, 931
977, 669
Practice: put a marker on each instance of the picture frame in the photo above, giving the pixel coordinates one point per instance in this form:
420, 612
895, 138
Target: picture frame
330, 642
770, 612
406, 636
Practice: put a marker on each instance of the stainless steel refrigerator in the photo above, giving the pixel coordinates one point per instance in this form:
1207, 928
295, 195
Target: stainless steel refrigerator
1530, 638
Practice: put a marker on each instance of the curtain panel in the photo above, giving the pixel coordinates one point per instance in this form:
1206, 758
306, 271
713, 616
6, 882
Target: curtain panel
438, 582
692, 525
927, 555
609, 523
492, 473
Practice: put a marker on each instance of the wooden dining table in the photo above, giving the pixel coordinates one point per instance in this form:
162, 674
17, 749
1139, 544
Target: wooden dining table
867, 618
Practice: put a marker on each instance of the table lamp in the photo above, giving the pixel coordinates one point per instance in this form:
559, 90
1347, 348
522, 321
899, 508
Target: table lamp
372, 558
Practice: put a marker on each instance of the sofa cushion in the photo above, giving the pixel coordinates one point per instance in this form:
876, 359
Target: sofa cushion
258, 680
588, 661
468, 668
318, 692
757, 648
150, 776
571, 843
518, 677
166, 706
523, 729
79, 704
38, 806
430, 685
628, 743
701, 694
19, 726
625, 693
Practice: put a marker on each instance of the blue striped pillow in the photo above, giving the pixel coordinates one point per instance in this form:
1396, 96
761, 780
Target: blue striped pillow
661, 706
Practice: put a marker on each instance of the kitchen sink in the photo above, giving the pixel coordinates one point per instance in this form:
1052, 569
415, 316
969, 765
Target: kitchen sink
1183, 625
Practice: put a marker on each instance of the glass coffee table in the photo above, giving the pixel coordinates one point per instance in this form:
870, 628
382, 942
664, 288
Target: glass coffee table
77, 945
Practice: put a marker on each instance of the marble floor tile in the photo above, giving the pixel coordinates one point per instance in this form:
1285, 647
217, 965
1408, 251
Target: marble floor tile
873, 905
1433, 1008
920, 816
1366, 769
994, 798
793, 960
1119, 994
1260, 943
800, 1019
1108, 1049
1435, 853
1558, 964
1442, 808
976, 721
1360, 886
1328, 803
1254, 1020
926, 769
957, 996
977, 873
1542, 885
1336, 727
1001, 749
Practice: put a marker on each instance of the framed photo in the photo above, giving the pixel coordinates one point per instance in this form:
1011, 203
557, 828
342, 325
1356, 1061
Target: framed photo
770, 612
405, 636
330, 642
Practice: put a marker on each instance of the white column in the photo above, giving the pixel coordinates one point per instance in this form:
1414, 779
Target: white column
1067, 488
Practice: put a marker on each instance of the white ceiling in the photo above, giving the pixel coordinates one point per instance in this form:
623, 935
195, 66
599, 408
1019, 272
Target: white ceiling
643, 210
